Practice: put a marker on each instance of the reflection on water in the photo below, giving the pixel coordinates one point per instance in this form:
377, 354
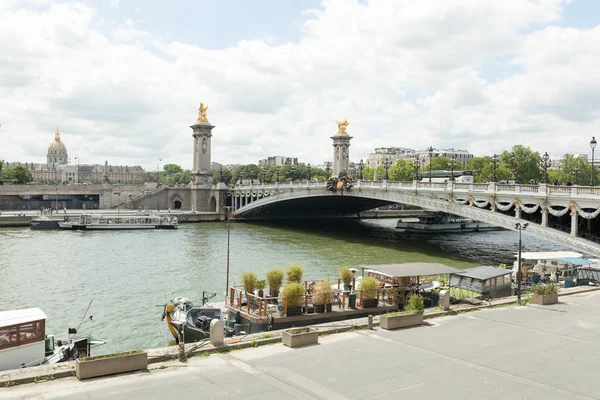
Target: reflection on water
129, 275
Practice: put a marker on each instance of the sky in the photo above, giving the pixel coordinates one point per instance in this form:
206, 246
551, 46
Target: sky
123, 79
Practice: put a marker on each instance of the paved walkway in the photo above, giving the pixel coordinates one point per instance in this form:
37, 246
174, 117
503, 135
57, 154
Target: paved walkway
533, 352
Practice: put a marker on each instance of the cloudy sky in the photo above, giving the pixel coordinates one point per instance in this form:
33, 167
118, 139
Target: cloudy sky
123, 79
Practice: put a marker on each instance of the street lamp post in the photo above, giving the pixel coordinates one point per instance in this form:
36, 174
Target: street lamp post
545, 164
77, 158
292, 172
327, 168
227, 208
430, 150
276, 174
361, 165
220, 174
386, 165
452, 161
158, 170
577, 176
417, 164
519, 227
593, 146
513, 171
308, 171
494, 165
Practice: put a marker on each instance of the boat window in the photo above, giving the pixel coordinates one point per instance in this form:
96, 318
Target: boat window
17, 335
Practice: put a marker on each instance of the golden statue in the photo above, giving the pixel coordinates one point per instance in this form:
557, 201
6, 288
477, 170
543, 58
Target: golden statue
202, 113
342, 127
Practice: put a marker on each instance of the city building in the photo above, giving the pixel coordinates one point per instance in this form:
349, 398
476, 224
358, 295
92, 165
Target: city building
461, 157
392, 154
58, 169
277, 161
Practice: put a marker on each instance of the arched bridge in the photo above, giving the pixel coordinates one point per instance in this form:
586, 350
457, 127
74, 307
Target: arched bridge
476, 201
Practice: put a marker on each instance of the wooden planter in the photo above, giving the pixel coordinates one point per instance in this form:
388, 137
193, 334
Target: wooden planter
294, 311
369, 303
297, 337
107, 365
545, 299
320, 308
400, 321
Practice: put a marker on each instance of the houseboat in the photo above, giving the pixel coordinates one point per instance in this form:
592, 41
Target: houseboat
120, 222
442, 222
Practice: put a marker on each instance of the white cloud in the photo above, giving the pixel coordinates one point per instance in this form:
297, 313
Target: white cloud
403, 73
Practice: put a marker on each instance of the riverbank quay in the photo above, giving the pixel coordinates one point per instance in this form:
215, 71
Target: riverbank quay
575, 316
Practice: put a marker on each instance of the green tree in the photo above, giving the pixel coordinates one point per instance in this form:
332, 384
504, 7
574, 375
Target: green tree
172, 169
368, 173
437, 164
526, 162
17, 174
402, 171
1, 164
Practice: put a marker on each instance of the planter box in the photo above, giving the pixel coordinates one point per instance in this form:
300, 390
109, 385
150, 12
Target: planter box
400, 321
297, 337
320, 308
294, 311
369, 303
101, 366
545, 299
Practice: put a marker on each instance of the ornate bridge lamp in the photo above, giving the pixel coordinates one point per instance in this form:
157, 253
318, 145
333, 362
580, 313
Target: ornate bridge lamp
513, 171
519, 227
263, 175
577, 175
276, 174
292, 171
327, 168
545, 164
451, 165
221, 173
430, 151
361, 165
494, 165
417, 164
386, 165
593, 146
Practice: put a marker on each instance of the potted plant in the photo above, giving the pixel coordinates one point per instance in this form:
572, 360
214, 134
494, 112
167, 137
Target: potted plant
544, 294
369, 287
294, 273
346, 276
249, 282
296, 337
293, 292
90, 367
260, 286
275, 280
322, 296
411, 317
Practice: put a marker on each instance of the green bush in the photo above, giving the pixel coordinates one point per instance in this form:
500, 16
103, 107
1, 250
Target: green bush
415, 305
542, 290
293, 292
260, 285
275, 279
346, 275
294, 273
249, 281
369, 286
323, 293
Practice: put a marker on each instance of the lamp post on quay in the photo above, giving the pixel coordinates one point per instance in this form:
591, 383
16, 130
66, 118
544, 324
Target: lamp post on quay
430, 150
361, 165
494, 165
77, 158
519, 226
417, 164
545, 163
593, 146
308, 171
227, 209
386, 165
452, 161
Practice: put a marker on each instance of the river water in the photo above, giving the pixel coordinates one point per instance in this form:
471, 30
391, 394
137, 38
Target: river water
126, 274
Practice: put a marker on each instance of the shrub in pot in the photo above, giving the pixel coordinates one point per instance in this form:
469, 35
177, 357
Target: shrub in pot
346, 276
249, 281
411, 317
275, 280
415, 305
260, 286
369, 287
544, 294
294, 293
294, 273
322, 296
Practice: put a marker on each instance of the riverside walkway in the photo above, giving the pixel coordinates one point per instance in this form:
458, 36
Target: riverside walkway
534, 352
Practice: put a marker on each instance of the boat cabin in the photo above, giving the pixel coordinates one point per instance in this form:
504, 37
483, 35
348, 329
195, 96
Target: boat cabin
22, 338
488, 282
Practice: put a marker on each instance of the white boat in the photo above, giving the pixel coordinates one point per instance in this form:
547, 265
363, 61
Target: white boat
442, 222
560, 264
120, 222
24, 343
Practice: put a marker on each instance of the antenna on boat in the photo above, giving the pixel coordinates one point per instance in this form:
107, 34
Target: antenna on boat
83, 318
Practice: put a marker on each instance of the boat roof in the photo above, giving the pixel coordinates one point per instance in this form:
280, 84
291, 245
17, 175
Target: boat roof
548, 255
575, 261
484, 272
16, 317
412, 269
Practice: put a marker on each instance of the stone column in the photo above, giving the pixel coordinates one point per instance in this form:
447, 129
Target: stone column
341, 153
201, 169
574, 222
544, 217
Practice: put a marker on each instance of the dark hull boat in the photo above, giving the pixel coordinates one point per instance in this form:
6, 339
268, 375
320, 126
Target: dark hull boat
191, 323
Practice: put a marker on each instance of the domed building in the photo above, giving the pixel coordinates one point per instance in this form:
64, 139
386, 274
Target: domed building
57, 151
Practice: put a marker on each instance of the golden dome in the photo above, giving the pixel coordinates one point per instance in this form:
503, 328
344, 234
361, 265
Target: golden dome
57, 144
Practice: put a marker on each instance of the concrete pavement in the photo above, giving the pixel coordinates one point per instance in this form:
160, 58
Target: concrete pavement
533, 352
